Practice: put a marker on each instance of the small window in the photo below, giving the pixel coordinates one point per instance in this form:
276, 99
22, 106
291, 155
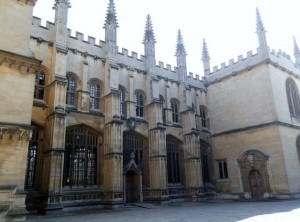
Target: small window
71, 86
162, 101
39, 85
298, 147
139, 104
293, 98
95, 96
223, 172
122, 100
175, 108
203, 116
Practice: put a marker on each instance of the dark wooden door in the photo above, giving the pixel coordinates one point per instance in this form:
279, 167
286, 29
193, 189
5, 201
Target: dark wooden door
256, 183
132, 187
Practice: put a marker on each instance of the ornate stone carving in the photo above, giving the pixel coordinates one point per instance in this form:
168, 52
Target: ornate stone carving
22, 63
14, 130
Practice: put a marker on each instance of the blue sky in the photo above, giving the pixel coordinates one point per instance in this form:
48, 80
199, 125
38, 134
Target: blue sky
228, 26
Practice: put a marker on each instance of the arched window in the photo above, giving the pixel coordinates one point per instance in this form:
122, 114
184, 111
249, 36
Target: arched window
298, 147
71, 87
31, 160
39, 85
174, 160
293, 97
122, 100
162, 101
80, 164
139, 104
95, 94
175, 109
203, 116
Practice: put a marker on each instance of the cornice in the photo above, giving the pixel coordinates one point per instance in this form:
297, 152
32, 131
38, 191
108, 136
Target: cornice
19, 62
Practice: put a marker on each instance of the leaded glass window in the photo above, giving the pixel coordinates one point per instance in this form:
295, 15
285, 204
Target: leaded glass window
80, 165
139, 104
175, 109
95, 95
174, 160
71, 87
31, 160
39, 85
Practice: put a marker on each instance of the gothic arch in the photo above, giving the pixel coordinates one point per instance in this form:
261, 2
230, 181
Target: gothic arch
254, 172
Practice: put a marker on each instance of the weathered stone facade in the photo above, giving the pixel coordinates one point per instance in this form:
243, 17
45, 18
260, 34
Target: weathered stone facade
90, 124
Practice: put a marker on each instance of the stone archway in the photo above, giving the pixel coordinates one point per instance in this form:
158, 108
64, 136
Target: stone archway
254, 173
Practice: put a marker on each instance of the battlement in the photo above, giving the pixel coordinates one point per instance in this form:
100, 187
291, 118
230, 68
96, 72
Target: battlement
87, 45
242, 63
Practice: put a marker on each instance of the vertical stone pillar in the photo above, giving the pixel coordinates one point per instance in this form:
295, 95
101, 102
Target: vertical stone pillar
113, 152
192, 157
54, 150
113, 163
158, 165
192, 162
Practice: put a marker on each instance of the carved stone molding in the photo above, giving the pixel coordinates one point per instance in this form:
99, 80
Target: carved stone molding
15, 130
28, 2
19, 62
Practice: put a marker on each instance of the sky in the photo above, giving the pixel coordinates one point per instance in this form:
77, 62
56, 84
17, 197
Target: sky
228, 26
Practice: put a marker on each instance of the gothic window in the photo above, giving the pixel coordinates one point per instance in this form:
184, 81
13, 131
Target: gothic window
39, 85
71, 87
223, 172
139, 104
174, 160
31, 160
122, 100
293, 98
162, 101
95, 94
298, 147
205, 161
203, 116
175, 109
80, 164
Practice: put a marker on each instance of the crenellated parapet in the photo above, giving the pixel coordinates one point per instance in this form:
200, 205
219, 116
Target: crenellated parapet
234, 67
87, 46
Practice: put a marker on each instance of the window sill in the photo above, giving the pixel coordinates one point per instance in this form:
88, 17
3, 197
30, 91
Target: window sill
39, 103
227, 180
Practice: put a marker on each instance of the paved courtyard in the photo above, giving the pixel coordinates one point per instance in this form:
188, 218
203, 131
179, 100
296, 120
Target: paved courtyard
263, 211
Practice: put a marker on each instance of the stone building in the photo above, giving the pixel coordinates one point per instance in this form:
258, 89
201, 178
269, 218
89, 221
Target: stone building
92, 124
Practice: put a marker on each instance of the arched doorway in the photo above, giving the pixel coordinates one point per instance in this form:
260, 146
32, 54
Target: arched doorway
254, 173
135, 171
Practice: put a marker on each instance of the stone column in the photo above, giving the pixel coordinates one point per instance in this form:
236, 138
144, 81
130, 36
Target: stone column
113, 163
54, 150
192, 157
158, 165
